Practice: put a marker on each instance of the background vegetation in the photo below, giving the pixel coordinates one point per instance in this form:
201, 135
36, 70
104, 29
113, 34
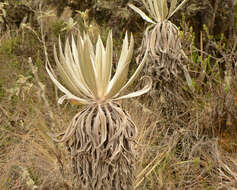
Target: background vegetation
187, 140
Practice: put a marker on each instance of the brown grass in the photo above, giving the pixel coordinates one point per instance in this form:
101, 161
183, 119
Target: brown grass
183, 142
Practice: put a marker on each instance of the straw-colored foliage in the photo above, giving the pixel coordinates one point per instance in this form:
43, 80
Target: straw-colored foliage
186, 140
162, 38
100, 138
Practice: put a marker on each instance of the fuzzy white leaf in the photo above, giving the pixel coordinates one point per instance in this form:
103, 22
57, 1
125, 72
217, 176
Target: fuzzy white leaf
177, 8
64, 90
98, 66
78, 69
165, 10
141, 13
157, 10
74, 74
107, 67
87, 67
120, 76
151, 10
87, 74
144, 90
173, 4
135, 74
65, 75
148, 9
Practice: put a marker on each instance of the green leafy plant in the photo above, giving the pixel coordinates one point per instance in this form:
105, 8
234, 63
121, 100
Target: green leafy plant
8, 47
101, 137
57, 27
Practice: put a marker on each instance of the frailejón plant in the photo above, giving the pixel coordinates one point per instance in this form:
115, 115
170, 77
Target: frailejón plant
101, 137
162, 38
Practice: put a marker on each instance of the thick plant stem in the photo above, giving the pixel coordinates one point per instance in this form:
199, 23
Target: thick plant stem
100, 140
